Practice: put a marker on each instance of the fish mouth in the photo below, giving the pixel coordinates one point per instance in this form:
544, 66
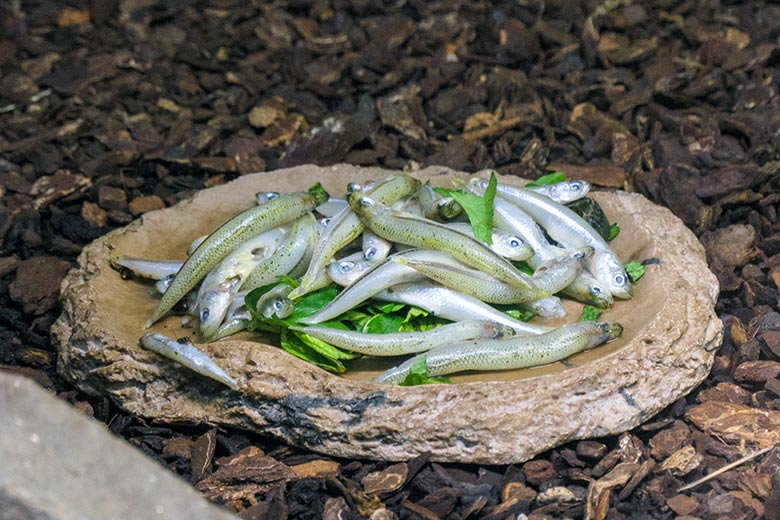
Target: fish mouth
623, 293
611, 330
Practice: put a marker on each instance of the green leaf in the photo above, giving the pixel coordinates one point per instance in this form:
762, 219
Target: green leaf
523, 267
326, 349
418, 375
550, 178
318, 192
520, 314
310, 303
614, 229
479, 209
387, 308
292, 344
590, 313
383, 324
415, 312
635, 270
288, 280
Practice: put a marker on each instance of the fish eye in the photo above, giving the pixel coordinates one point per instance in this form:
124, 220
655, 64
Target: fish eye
326, 221
370, 253
277, 305
576, 186
514, 243
595, 289
365, 201
579, 255
352, 187
204, 314
346, 266
619, 280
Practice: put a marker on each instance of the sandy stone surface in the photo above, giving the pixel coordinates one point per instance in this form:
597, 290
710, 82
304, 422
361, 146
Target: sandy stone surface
57, 464
671, 333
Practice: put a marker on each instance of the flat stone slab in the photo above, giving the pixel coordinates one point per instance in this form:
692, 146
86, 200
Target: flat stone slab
57, 464
670, 335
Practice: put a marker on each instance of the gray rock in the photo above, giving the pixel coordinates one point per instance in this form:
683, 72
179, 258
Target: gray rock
671, 333
58, 464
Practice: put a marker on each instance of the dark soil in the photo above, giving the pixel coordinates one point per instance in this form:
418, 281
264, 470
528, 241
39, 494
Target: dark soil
122, 107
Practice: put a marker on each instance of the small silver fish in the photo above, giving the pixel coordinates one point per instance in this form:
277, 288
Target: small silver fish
508, 354
147, 268
563, 192
187, 355
399, 343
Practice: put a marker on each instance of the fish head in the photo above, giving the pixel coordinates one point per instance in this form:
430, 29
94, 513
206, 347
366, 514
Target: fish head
569, 191
370, 253
611, 330
374, 248
480, 184
265, 196
494, 330
162, 285
212, 309
360, 203
344, 272
584, 254
278, 306
609, 270
448, 208
597, 333
513, 247
550, 307
598, 294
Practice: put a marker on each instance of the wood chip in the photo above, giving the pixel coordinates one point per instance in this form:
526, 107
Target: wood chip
316, 469
243, 475
683, 505
386, 481
203, 453
737, 423
756, 371
426, 513
538, 472
682, 462
599, 491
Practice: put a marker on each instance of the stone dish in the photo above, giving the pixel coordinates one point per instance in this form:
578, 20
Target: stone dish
671, 334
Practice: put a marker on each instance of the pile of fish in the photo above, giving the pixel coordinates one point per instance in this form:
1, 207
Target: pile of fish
398, 240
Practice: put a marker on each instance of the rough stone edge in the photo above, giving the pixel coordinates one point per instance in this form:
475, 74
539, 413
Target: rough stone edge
306, 417
57, 463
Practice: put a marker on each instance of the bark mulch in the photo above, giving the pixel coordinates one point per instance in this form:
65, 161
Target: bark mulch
109, 109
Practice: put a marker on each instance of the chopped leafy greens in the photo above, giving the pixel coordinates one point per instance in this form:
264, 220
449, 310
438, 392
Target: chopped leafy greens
520, 314
550, 178
383, 324
293, 344
372, 317
635, 270
310, 303
326, 349
614, 229
319, 193
288, 280
523, 267
590, 313
418, 375
479, 209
